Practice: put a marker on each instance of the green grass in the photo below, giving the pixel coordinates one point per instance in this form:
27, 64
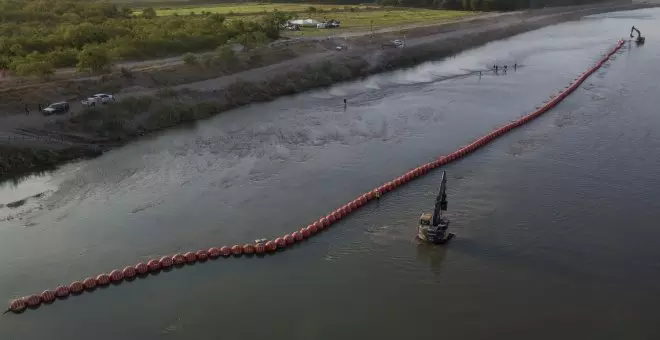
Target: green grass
358, 21
250, 8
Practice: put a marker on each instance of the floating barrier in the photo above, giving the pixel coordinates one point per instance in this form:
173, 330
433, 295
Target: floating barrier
152, 266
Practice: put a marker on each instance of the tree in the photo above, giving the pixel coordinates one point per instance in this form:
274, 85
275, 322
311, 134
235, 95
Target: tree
93, 58
34, 64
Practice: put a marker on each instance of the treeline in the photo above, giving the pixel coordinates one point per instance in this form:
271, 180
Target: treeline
37, 36
485, 5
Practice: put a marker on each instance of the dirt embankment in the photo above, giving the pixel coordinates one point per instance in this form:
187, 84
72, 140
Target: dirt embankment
45, 142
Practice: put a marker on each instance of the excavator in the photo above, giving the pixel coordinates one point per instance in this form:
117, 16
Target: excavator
433, 227
640, 39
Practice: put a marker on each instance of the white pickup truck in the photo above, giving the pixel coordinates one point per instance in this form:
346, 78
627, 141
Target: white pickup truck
99, 98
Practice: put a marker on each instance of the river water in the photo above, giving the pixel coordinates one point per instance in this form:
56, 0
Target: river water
556, 223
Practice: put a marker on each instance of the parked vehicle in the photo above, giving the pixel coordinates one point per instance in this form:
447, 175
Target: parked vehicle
99, 98
56, 108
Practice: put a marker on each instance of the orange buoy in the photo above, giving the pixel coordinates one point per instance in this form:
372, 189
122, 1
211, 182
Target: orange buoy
190, 257
225, 251
153, 265
214, 252
178, 259
102, 279
280, 242
260, 248
129, 272
18, 305
248, 249
289, 239
236, 250
76, 287
271, 246
48, 296
202, 255
62, 291
298, 236
141, 268
116, 276
33, 300
166, 262
89, 283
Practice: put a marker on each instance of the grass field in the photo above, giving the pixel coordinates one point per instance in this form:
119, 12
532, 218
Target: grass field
352, 18
253, 8
356, 21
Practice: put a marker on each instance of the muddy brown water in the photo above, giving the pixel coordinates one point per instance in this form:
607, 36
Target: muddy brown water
557, 222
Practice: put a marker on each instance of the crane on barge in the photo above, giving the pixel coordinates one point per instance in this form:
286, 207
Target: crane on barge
433, 227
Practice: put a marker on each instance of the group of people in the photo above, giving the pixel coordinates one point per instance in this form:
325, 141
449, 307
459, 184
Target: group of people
27, 108
496, 68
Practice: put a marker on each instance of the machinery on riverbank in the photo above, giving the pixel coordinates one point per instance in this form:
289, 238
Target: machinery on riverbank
640, 39
433, 227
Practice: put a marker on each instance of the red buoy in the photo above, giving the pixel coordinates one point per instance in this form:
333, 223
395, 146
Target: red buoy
336, 216
236, 250
325, 222
62, 291
271, 246
260, 248
89, 283
353, 205
154, 265
305, 233
280, 242
141, 268
289, 239
102, 279
166, 262
76, 287
116, 275
48, 296
312, 229
331, 218
18, 305
190, 257
317, 225
129, 272
202, 255
178, 259
248, 249
225, 251
214, 252
346, 209
33, 300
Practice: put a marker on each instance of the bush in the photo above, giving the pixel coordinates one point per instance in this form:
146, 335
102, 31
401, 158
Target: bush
93, 58
190, 59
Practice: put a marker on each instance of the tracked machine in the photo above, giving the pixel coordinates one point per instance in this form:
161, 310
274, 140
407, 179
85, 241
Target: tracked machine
640, 39
433, 227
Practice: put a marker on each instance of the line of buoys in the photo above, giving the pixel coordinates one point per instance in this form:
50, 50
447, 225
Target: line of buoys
152, 266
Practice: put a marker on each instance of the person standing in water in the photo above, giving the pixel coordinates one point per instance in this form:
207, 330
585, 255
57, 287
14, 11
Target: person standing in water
345, 104
505, 68
515, 66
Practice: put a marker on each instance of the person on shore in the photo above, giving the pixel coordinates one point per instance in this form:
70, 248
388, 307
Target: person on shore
496, 68
345, 104
27, 109
505, 68
515, 66
479, 75
39, 105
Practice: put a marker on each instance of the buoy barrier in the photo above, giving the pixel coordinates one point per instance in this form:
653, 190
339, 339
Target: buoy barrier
152, 266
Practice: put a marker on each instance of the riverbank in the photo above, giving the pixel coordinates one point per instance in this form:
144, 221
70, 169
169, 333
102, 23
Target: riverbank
47, 142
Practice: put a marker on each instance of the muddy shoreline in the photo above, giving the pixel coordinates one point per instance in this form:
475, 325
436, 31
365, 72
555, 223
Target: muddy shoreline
37, 148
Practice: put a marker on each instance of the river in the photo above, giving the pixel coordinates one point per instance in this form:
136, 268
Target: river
554, 221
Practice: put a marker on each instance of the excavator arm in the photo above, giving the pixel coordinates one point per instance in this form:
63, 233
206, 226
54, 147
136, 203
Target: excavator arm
440, 201
633, 29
